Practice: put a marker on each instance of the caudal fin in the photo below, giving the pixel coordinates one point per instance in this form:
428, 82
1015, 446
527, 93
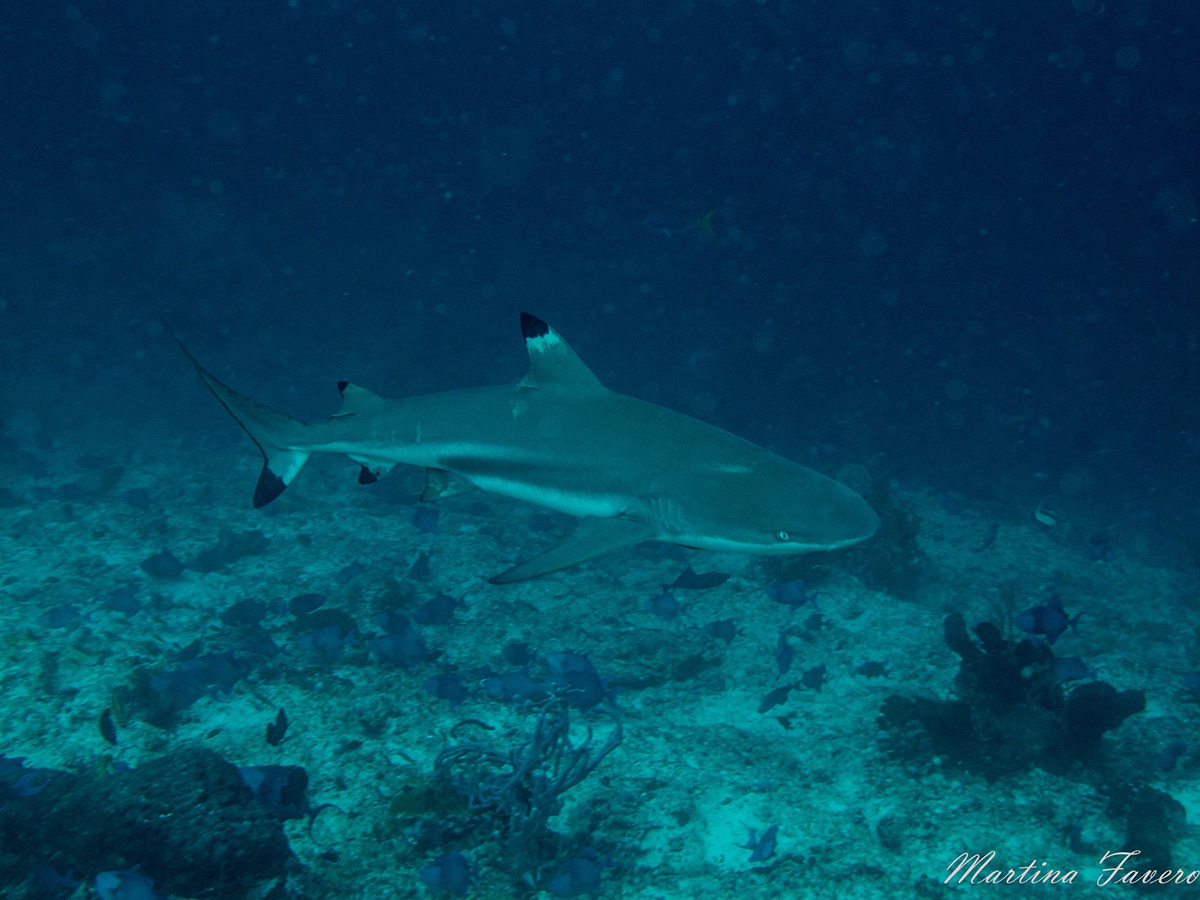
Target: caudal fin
277, 435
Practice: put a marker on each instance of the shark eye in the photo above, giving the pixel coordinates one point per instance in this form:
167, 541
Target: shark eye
783, 536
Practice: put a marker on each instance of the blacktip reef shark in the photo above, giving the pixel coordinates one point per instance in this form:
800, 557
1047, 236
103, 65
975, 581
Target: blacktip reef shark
631, 470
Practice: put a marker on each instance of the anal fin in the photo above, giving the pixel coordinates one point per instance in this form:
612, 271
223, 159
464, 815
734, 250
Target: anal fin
591, 538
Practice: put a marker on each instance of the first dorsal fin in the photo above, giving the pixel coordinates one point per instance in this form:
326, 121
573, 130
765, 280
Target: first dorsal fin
552, 362
354, 399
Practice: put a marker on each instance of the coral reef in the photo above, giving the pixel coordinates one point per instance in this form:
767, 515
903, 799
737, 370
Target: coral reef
187, 820
1011, 713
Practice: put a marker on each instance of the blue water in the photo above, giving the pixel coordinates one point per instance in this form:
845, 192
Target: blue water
945, 253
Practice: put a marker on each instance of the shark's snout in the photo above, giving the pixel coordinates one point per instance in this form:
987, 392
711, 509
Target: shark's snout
831, 516
865, 520
850, 519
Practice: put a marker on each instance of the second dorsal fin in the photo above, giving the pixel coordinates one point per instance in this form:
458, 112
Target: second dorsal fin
354, 399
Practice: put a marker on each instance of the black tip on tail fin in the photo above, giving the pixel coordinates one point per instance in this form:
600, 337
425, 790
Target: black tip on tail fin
277, 435
268, 488
533, 327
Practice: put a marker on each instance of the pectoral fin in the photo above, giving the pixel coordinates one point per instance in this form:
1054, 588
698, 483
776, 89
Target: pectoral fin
591, 537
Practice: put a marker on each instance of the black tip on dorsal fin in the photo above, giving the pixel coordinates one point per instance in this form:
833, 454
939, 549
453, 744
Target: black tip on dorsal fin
533, 327
552, 363
342, 385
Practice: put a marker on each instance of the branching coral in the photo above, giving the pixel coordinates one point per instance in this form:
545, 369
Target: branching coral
522, 789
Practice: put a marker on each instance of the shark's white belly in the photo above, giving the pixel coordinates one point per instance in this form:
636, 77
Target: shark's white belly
496, 468
572, 502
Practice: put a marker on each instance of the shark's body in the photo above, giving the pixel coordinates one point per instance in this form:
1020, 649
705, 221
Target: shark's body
558, 438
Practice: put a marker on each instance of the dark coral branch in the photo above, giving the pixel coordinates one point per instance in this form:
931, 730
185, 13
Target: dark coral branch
523, 788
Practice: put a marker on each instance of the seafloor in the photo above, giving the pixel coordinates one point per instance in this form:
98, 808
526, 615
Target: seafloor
699, 765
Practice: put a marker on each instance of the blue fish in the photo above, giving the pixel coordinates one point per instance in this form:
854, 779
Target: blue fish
448, 687
283, 790
1170, 755
47, 883
784, 654
437, 611
425, 519
162, 565
1048, 620
126, 886
393, 622
762, 847
349, 572
814, 677
578, 875
450, 874
1072, 668
23, 787
574, 673
327, 642
303, 604
403, 643
517, 653
514, 687
194, 679
1100, 548
665, 605
122, 599
66, 616
791, 593
776, 696
404, 650
722, 629
420, 570
244, 614
169, 692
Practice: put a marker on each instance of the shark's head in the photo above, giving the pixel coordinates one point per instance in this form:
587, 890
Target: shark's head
827, 516
790, 509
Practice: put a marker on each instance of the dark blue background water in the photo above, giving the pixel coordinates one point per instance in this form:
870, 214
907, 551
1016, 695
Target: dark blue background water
909, 201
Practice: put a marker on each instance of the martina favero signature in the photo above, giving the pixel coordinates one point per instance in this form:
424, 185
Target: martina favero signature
1116, 867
